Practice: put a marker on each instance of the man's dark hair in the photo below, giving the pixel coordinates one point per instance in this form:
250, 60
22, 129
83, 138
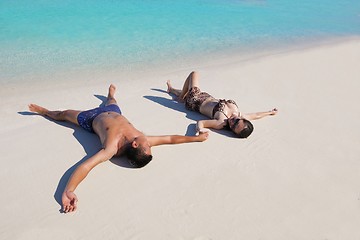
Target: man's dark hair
248, 129
138, 157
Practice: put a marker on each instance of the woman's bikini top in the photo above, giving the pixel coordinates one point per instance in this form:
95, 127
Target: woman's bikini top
220, 106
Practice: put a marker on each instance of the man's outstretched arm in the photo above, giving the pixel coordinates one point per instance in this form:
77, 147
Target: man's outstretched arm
69, 199
176, 139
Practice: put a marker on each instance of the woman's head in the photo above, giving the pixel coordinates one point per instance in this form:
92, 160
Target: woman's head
240, 126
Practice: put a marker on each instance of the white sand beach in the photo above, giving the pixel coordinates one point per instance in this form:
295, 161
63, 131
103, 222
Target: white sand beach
296, 177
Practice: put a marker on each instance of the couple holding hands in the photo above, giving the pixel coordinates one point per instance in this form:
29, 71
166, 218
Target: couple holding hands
119, 137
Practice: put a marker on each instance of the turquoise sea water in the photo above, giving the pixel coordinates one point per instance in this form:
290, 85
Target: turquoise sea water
50, 36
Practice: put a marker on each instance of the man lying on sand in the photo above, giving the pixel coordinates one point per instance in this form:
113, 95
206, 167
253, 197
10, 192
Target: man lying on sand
117, 135
224, 114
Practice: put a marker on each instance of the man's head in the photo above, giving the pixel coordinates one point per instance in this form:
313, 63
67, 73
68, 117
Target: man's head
139, 152
240, 126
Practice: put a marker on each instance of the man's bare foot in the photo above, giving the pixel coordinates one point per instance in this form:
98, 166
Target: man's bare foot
112, 90
169, 86
37, 109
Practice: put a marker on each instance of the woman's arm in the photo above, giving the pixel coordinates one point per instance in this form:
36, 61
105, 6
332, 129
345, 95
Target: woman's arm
69, 199
214, 124
258, 115
176, 139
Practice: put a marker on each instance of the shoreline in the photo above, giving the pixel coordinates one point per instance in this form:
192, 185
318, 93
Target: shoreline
95, 74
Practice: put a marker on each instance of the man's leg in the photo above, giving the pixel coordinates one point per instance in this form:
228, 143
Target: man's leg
110, 97
67, 115
191, 81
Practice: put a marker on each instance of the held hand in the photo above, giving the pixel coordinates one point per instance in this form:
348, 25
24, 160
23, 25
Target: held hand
201, 130
274, 111
203, 136
69, 201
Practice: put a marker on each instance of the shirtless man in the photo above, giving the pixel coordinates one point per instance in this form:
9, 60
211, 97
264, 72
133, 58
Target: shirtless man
117, 135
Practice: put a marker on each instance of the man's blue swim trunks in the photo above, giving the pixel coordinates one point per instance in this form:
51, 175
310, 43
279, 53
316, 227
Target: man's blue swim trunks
86, 118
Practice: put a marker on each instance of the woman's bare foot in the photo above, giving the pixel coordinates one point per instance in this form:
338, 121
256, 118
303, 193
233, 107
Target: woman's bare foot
37, 109
169, 86
176, 92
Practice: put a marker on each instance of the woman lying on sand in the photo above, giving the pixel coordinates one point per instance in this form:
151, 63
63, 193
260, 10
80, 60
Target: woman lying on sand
224, 114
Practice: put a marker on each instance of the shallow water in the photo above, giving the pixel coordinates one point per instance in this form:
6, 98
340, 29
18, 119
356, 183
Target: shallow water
51, 36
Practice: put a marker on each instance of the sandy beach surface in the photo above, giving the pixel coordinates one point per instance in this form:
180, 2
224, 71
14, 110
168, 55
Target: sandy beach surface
296, 177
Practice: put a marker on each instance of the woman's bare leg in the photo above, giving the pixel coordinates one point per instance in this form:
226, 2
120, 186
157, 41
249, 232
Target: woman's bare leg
110, 97
172, 90
67, 115
191, 81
